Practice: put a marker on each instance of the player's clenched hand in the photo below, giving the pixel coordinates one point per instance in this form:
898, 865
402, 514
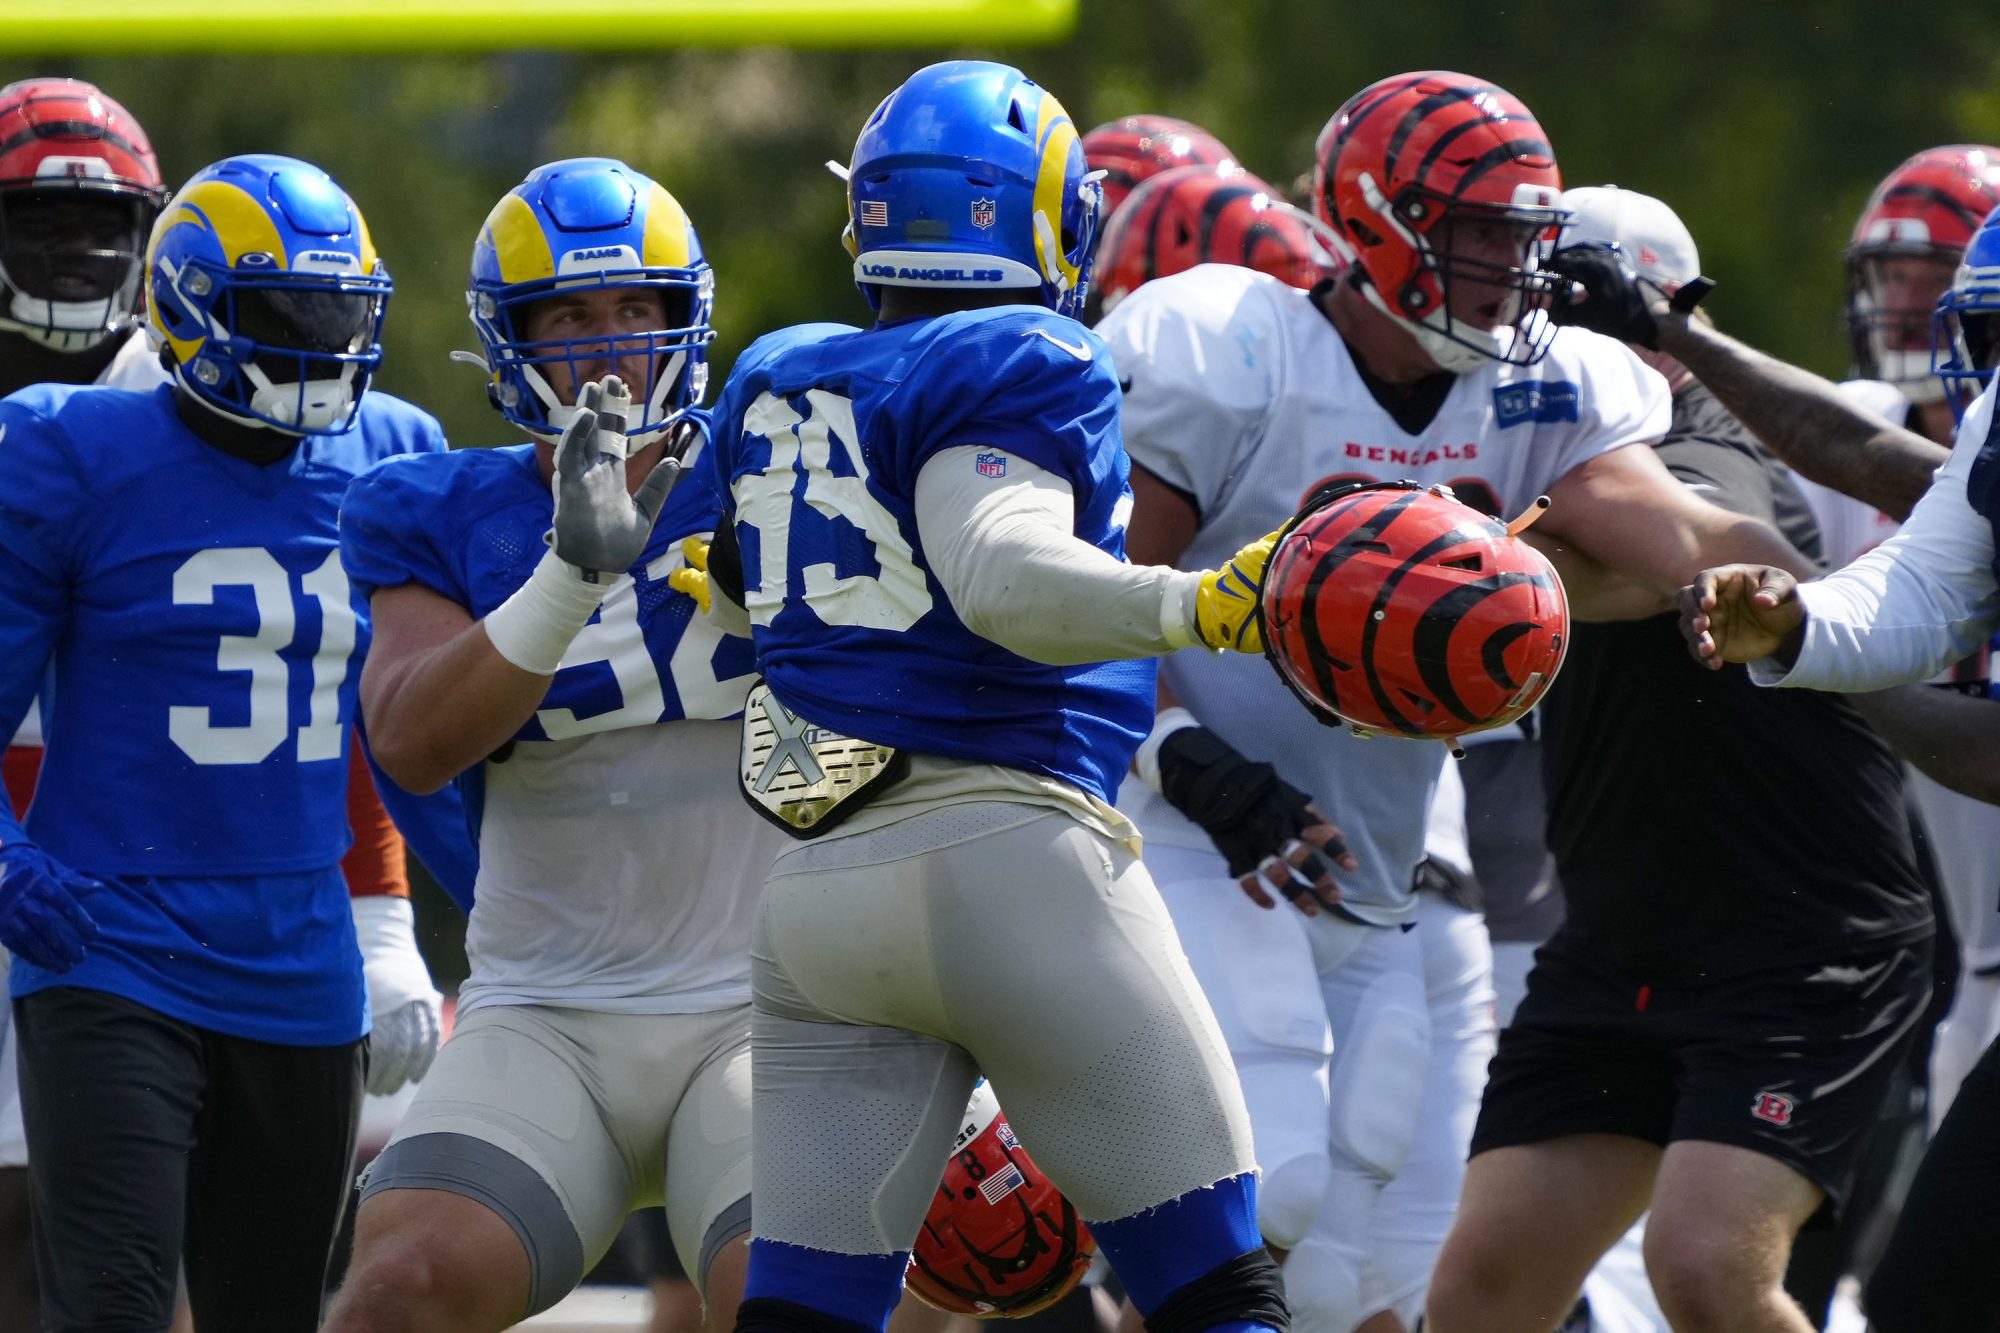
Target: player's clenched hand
41, 919
1271, 834
1225, 600
599, 525
1742, 613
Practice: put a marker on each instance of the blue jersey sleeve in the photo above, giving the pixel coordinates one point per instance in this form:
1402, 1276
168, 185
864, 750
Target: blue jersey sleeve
389, 529
41, 494
42, 488
1036, 385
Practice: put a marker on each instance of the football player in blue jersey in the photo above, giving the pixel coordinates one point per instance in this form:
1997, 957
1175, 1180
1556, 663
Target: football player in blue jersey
187, 985
930, 517
601, 1059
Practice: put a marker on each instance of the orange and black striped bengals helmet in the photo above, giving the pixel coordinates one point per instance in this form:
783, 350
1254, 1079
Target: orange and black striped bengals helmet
1392, 607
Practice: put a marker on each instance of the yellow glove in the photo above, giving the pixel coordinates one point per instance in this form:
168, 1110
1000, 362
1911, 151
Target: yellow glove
1225, 606
693, 578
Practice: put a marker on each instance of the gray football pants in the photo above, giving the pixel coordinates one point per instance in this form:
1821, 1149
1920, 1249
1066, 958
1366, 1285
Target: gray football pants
894, 966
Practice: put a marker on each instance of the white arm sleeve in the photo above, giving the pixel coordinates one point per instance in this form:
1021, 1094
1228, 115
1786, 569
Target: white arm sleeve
1007, 556
1912, 606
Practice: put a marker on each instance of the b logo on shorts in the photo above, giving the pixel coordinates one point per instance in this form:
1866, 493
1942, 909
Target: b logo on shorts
1774, 1107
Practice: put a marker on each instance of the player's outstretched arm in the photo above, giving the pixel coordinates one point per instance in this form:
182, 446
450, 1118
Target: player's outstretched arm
1805, 421
1800, 417
1007, 556
1624, 510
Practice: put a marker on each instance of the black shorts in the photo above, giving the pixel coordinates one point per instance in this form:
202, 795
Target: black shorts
1791, 1063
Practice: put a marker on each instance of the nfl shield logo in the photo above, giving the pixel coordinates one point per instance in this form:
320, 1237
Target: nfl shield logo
990, 465
982, 213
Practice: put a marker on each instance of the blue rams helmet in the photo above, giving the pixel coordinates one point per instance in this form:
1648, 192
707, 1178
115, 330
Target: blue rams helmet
266, 294
590, 222
1965, 332
972, 176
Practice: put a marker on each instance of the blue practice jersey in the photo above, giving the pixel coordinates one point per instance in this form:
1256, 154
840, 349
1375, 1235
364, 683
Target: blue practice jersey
820, 435
204, 646
469, 526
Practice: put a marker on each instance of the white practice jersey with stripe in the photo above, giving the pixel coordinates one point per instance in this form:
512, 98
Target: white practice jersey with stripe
1240, 394
1964, 833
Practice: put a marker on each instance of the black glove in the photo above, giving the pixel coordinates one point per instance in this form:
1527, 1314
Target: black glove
1606, 295
1246, 808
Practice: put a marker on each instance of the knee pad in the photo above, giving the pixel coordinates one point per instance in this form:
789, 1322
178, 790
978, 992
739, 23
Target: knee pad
1289, 1197
1377, 1088
1245, 1290
1322, 1287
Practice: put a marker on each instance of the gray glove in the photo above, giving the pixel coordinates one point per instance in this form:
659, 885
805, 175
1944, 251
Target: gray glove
600, 527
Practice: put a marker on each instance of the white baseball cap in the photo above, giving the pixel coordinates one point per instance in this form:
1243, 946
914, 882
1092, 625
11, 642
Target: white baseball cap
1655, 241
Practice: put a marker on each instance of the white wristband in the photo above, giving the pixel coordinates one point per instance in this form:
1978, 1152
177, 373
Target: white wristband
1146, 763
1177, 611
533, 628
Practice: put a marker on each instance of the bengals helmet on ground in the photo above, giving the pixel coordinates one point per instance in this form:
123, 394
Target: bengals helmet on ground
1391, 607
999, 1241
1206, 215
1131, 150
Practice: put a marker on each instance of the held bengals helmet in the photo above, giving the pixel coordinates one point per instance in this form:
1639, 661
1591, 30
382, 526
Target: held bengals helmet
1925, 210
79, 190
1208, 215
1390, 607
1131, 150
1409, 159
999, 1241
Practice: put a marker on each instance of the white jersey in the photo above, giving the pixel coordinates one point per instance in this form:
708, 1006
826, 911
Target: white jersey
1240, 393
618, 872
136, 367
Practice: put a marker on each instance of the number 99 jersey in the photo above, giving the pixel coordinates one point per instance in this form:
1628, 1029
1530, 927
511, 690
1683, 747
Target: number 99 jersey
819, 437
206, 641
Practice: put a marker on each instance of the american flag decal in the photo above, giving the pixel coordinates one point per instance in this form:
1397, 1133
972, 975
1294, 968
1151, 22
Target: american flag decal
1001, 1183
874, 213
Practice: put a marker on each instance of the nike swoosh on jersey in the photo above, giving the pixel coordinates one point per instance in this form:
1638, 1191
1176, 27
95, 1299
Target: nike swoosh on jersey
1081, 351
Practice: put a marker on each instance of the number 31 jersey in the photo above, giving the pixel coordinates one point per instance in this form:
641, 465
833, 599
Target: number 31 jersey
1241, 395
820, 435
206, 640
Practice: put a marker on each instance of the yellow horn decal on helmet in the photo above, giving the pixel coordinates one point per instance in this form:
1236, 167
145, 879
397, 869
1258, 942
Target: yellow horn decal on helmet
666, 231
518, 242
367, 241
239, 222
1055, 132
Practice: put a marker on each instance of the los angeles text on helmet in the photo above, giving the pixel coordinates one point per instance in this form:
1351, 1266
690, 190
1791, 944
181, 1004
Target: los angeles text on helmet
897, 271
